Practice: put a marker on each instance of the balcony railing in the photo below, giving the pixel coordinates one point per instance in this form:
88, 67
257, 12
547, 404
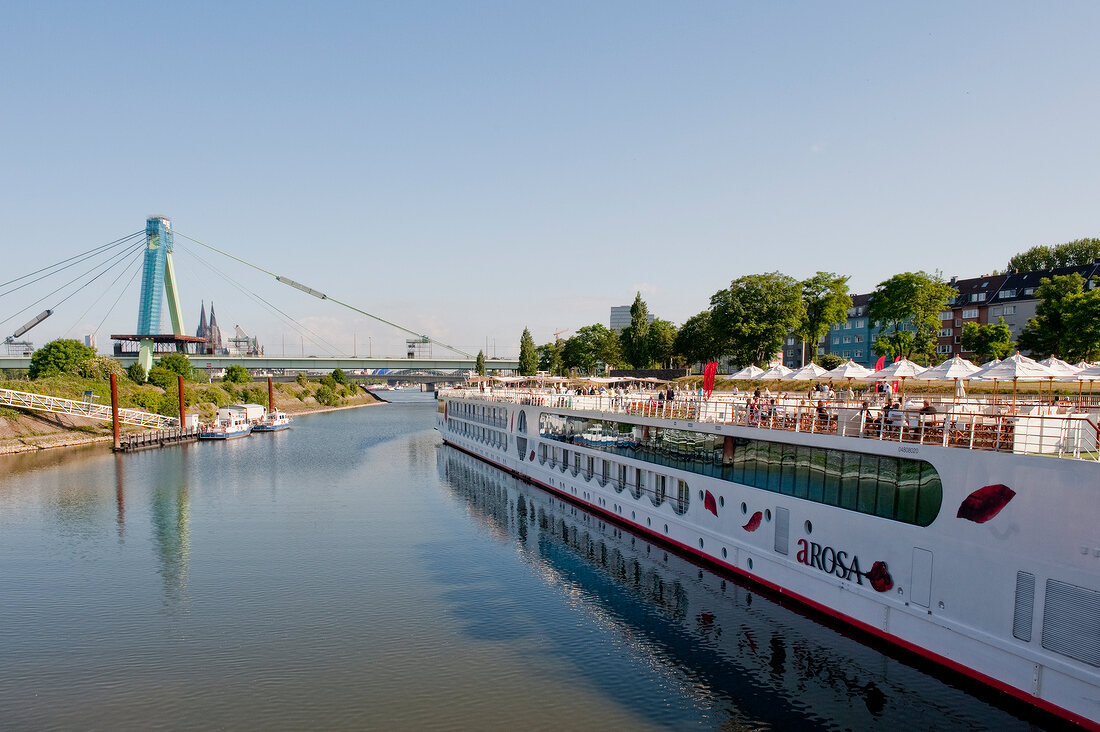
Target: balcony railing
1023, 426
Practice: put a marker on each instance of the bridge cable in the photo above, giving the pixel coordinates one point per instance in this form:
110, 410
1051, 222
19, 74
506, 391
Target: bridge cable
323, 296
120, 294
302, 330
136, 260
109, 264
79, 257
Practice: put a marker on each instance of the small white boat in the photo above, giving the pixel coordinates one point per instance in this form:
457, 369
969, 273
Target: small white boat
230, 422
274, 421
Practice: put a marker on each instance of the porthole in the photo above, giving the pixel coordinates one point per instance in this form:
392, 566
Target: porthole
721, 501
700, 543
724, 552
666, 528
750, 562
632, 517
744, 507
649, 522
767, 514
809, 527
700, 495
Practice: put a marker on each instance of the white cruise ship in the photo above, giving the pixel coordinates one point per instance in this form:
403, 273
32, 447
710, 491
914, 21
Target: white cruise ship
971, 538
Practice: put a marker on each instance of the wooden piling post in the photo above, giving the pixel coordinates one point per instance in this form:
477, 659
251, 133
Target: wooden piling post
114, 408
183, 403
270, 396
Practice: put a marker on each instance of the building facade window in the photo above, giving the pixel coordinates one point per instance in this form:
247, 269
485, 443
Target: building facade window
970, 313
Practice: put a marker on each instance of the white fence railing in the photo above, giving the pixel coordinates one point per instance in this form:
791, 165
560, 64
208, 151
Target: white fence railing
969, 425
44, 403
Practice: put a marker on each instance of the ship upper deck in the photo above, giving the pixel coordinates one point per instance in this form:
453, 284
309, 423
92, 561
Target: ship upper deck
1023, 427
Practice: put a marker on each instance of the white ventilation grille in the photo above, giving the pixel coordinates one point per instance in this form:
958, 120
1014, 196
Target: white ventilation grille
1025, 606
1071, 622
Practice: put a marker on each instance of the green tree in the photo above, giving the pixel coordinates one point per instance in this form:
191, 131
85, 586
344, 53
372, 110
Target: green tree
826, 300
829, 361
326, 395
302, 378
989, 341
528, 358
1083, 325
1071, 254
479, 365
591, 346
1047, 333
635, 337
753, 316
136, 372
661, 341
906, 309
1066, 320
339, 376
695, 341
62, 356
162, 377
177, 363
237, 374
550, 357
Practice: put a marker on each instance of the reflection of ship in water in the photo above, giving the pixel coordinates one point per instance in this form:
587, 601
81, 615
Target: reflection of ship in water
758, 659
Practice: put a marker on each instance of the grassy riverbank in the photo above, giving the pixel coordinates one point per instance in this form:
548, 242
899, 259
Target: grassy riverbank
27, 431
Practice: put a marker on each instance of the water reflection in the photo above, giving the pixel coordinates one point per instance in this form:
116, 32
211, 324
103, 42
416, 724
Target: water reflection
750, 662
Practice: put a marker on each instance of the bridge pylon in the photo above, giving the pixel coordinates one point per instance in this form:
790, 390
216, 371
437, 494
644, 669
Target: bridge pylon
157, 269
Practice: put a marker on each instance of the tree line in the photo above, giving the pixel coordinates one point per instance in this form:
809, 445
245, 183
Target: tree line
748, 322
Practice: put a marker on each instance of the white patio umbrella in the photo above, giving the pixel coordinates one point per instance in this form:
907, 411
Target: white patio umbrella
1018, 368
954, 369
1090, 374
850, 370
775, 372
901, 370
990, 364
749, 372
1064, 372
809, 372
1060, 367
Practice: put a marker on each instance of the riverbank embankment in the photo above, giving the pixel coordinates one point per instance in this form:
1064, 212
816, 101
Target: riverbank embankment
23, 431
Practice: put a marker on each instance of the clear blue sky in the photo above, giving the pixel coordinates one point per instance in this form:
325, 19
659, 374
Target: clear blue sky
468, 169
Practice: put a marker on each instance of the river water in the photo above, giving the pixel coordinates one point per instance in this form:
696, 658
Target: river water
353, 573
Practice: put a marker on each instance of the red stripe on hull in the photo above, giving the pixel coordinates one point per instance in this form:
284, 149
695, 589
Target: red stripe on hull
1012, 691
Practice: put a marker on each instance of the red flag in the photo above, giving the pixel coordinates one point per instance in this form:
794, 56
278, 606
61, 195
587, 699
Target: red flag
880, 363
898, 358
708, 378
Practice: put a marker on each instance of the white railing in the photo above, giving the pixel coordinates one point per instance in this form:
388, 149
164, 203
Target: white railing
972, 425
44, 403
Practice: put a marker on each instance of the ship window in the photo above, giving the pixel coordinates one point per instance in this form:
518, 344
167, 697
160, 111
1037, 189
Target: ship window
898, 489
658, 496
683, 497
849, 481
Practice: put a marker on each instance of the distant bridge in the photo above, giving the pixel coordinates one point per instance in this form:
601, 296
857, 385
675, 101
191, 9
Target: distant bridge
311, 363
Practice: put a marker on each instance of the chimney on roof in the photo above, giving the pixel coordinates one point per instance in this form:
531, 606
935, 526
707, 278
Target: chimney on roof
954, 279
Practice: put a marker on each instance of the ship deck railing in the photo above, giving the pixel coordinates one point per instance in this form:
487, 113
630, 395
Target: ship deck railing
1023, 427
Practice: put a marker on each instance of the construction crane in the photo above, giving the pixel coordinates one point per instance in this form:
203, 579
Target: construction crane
557, 334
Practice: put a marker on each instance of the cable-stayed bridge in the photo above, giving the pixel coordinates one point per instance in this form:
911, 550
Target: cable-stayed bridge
152, 249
